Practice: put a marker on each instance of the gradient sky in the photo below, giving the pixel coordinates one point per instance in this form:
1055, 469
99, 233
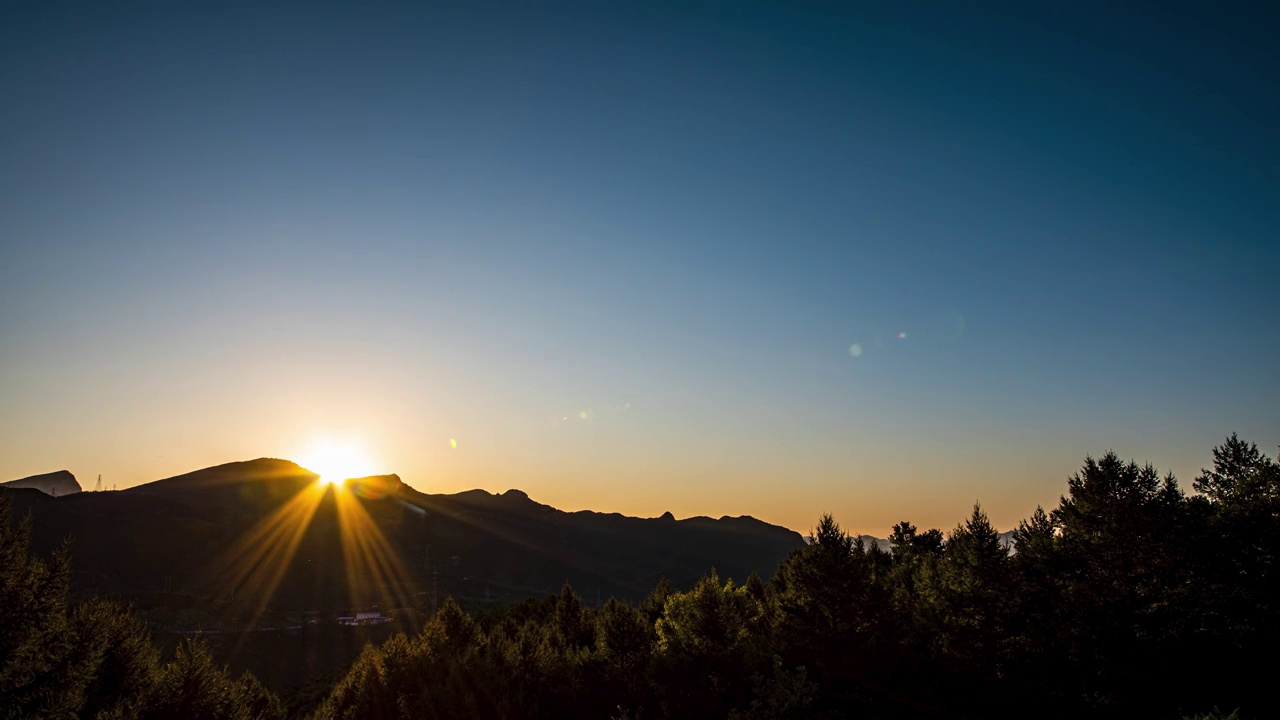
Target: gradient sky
622, 252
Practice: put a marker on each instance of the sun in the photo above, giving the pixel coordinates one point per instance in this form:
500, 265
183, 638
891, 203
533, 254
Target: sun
336, 461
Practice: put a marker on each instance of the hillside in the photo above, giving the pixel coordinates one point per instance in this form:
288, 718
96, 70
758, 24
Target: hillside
186, 535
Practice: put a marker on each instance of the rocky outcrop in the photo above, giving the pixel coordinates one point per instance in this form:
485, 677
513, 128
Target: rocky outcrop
56, 484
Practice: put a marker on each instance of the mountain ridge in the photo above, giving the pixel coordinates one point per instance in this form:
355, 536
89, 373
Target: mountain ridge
167, 534
291, 475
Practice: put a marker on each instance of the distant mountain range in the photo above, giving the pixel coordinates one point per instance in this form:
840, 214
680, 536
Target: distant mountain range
57, 483
199, 535
1006, 540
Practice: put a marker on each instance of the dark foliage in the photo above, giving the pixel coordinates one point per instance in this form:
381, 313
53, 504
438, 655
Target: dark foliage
93, 660
1129, 599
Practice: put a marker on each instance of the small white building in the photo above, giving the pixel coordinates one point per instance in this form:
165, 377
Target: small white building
364, 618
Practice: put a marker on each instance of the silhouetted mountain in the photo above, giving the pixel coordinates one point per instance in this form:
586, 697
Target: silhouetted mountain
1006, 540
61, 482
181, 534
869, 540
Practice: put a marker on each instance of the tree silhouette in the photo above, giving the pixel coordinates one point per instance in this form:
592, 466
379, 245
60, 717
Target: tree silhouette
1128, 598
59, 659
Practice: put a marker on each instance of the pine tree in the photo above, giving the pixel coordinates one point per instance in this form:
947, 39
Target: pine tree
1125, 565
706, 647
834, 615
93, 660
970, 591
38, 673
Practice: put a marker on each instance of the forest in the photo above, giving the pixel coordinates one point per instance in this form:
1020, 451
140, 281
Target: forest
1131, 598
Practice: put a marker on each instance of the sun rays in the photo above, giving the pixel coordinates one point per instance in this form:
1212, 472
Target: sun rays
253, 568
373, 569
251, 571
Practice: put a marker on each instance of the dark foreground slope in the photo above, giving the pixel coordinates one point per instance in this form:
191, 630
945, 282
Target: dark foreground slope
220, 535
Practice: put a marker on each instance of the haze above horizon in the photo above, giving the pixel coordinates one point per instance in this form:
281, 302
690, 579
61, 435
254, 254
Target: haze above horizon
699, 258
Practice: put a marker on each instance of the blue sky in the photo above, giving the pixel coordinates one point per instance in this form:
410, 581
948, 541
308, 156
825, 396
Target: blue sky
620, 252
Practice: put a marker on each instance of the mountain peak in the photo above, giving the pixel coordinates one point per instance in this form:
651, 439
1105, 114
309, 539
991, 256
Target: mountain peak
514, 494
60, 482
667, 517
266, 471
